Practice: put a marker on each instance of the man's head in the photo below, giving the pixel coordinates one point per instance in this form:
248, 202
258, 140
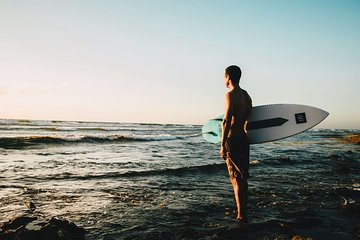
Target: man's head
233, 74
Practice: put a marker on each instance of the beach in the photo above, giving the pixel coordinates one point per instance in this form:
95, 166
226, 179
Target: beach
163, 181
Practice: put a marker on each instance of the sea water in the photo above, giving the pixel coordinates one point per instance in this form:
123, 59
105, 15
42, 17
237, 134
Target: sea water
163, 181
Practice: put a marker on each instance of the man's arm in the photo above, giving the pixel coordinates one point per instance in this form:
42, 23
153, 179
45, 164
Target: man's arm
226, 125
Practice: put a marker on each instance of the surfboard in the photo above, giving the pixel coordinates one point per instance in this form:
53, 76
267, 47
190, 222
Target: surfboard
270, 122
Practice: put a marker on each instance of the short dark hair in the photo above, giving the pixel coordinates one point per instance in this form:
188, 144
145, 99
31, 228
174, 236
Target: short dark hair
234, 73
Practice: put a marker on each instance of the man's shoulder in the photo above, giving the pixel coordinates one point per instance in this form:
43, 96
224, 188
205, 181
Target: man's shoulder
233, 95
244, 91
246, 94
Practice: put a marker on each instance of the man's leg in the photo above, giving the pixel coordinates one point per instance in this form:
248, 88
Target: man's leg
243, 198
240, 191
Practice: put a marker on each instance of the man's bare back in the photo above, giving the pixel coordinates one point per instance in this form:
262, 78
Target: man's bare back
241, 103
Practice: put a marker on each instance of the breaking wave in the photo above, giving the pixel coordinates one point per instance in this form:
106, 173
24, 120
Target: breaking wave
153, 172
31, 141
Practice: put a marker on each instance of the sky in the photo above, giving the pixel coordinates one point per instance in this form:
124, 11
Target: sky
163, 61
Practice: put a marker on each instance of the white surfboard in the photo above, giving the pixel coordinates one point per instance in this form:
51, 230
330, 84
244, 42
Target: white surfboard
271, 122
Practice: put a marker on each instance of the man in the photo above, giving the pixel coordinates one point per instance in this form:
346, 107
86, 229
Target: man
235, 145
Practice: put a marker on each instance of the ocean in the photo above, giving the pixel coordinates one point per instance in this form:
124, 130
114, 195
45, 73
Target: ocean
163, 181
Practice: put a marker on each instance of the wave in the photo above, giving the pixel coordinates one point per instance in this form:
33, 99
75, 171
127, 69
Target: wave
67, 129
29, 141
178, 171
154, 172
114, 129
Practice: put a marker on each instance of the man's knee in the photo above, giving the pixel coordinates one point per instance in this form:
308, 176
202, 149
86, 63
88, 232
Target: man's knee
241, 183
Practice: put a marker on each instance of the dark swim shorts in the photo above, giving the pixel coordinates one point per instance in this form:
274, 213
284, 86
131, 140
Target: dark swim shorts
237, 156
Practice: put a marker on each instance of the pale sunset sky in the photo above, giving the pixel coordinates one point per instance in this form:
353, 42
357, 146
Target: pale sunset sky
163, 61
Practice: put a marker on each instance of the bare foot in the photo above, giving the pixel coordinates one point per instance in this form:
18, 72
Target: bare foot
242, 220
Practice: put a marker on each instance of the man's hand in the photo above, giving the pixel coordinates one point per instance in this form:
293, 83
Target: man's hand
223, 153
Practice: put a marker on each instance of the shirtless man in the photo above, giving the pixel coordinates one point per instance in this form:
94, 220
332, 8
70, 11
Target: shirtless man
235, 145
